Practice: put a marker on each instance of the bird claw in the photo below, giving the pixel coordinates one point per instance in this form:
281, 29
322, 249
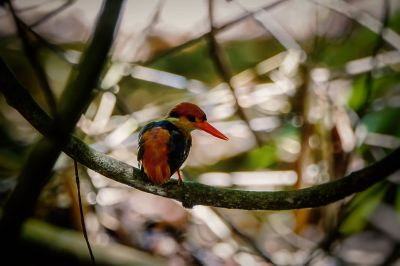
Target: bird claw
179, 178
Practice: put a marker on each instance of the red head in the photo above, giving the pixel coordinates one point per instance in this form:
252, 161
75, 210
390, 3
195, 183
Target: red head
191, 116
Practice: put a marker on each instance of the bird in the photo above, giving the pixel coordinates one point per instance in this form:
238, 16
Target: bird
164, 145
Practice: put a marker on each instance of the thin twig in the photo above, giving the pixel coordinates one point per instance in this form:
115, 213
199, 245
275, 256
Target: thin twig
364, 19
57, 50
51, 14
224, 71
139, 44
47, 15
31, 52
148, 29
190, 42
260, 252
81, 213
272, 26
31, 7
326, 243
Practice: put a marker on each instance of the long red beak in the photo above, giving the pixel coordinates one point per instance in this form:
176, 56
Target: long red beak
210, 129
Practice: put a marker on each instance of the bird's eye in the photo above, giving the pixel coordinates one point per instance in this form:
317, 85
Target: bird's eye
191, 118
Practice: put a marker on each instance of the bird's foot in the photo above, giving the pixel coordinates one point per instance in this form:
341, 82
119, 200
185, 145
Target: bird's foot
179, 178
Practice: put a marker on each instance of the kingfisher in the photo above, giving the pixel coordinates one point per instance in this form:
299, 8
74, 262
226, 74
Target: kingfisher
164, 145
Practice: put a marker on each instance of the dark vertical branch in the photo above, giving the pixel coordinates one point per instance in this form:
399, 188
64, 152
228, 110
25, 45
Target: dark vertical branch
78, 92
38, 167
35, 173
223, 69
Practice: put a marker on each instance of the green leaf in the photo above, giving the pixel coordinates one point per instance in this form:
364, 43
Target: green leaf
362, 206
261, 158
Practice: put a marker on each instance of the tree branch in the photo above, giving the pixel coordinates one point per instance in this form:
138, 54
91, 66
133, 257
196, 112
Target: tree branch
78, 93
52, 13
38, 167
192, 193
369, 79
31, 52
222, 68
190, 42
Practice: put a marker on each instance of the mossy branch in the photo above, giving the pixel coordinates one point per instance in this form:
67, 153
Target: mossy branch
192, 193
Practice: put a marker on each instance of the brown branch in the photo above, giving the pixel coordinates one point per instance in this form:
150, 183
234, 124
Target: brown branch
192, 193
190, 42
38, 167
51, 14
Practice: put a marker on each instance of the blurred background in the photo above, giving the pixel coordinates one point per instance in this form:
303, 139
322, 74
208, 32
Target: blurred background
307, 91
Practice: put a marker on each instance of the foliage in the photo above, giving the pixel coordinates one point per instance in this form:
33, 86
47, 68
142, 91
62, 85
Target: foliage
301, 107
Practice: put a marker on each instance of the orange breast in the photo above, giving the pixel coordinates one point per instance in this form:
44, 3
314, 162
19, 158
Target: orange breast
155, 143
